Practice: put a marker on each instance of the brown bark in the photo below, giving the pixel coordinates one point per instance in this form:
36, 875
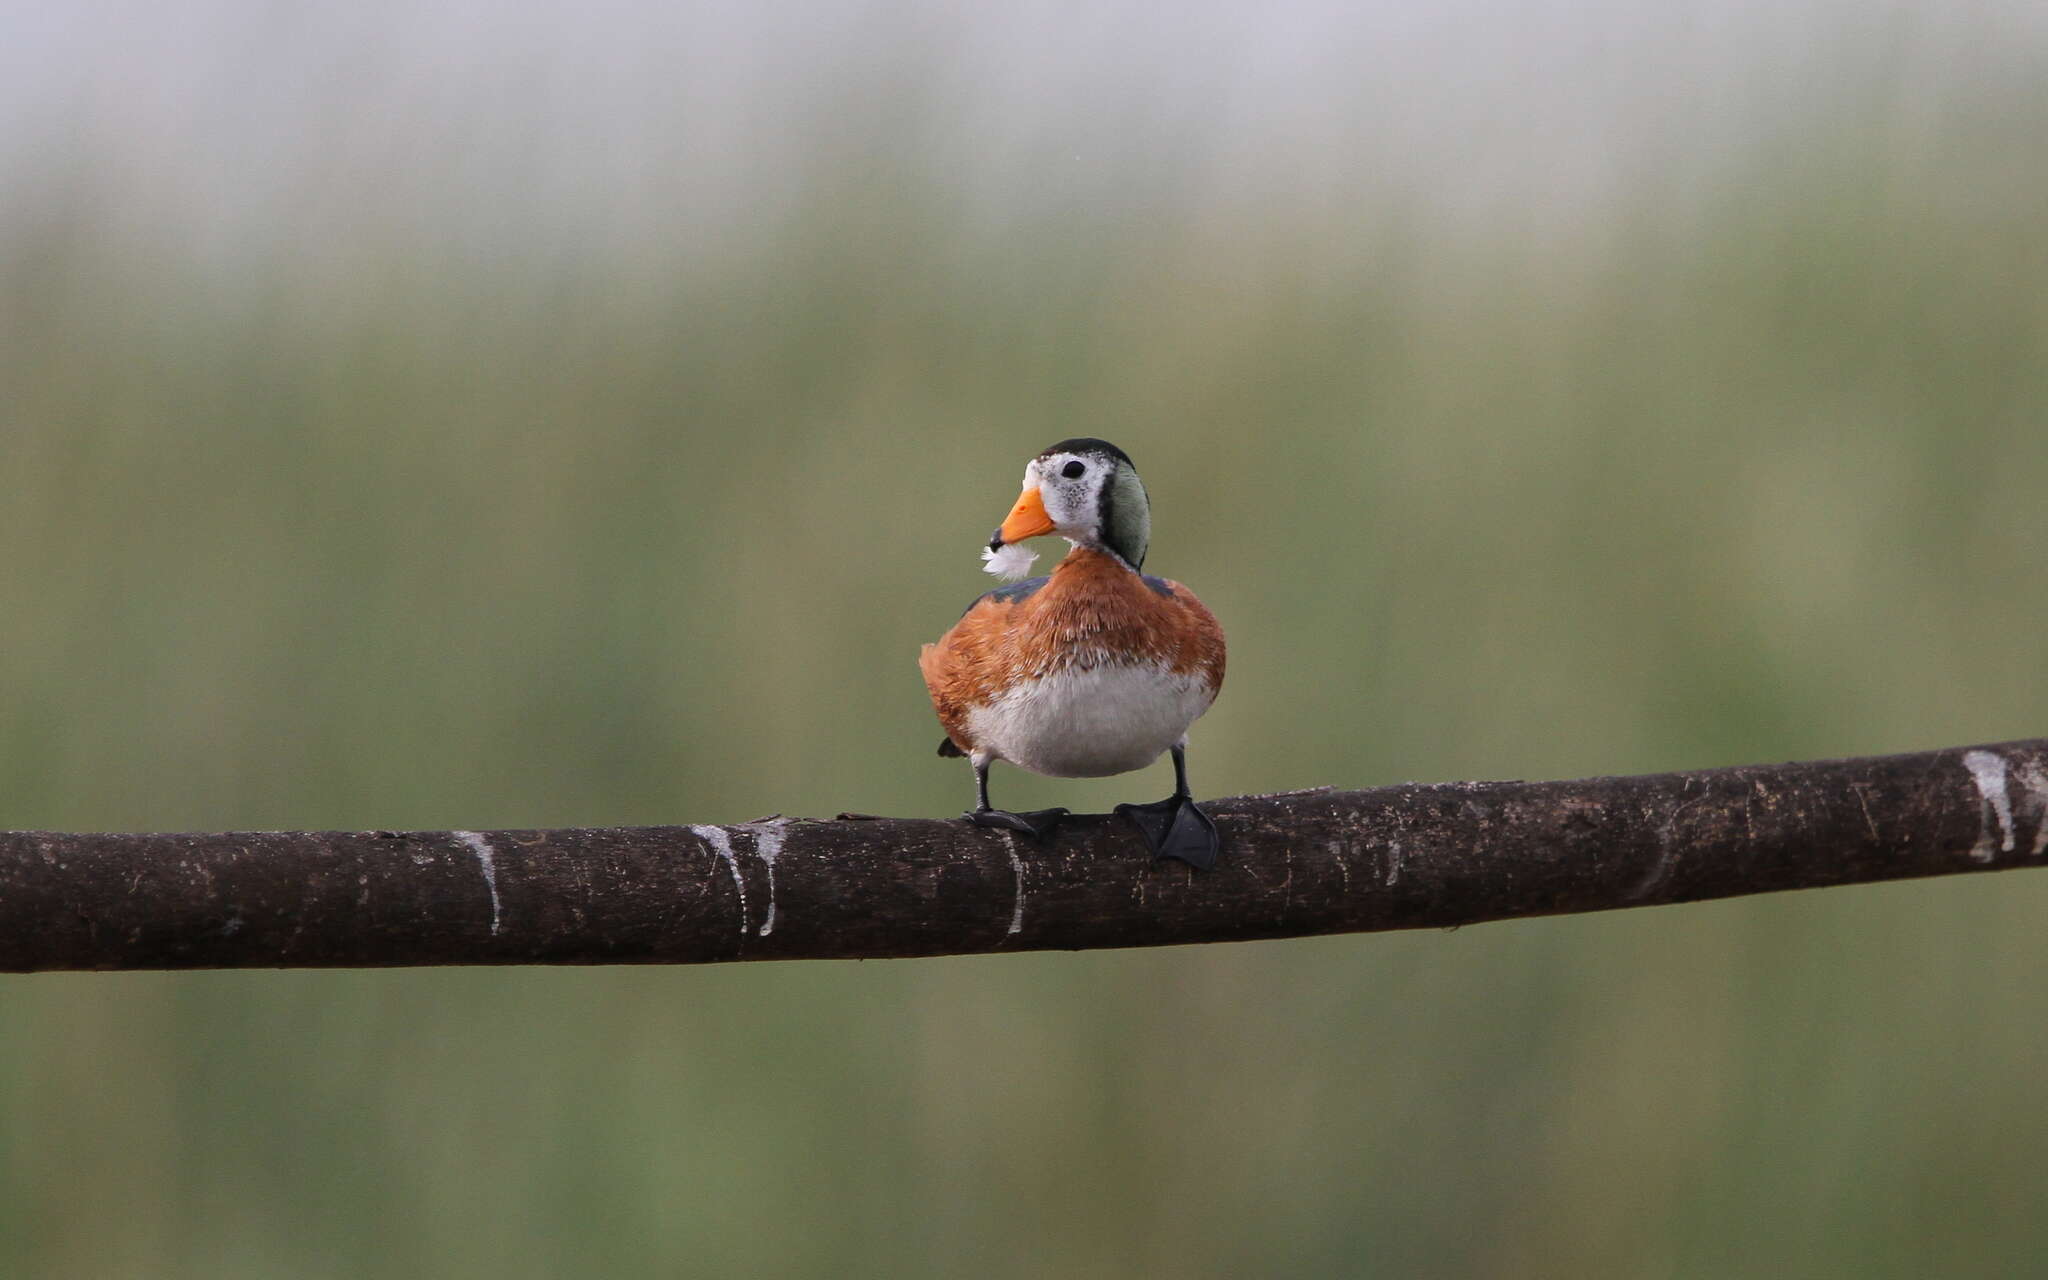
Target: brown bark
1317, 862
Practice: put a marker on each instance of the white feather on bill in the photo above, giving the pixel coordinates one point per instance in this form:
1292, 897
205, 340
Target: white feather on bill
1010, 562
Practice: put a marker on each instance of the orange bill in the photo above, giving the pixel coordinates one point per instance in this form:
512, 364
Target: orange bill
1027, 519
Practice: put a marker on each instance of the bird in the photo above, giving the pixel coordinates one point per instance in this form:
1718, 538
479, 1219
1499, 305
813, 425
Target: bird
1096, 669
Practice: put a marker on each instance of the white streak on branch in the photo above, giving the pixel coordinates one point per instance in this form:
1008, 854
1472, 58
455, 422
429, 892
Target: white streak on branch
1336, 848
487, 858
1017, 869
1987, 770
768, 847
2035, 784
721, 845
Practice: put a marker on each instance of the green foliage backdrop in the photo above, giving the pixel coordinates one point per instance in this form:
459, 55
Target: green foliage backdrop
419, 418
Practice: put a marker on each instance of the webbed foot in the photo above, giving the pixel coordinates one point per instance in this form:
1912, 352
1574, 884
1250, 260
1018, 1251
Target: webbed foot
1176, 827
1039, 824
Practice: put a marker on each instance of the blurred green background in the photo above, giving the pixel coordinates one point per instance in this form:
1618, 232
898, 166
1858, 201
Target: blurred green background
433, 414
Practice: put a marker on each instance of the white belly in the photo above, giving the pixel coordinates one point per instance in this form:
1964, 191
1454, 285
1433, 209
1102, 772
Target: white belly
1092, 723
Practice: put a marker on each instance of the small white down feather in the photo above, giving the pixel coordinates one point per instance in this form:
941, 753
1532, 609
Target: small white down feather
1009, 562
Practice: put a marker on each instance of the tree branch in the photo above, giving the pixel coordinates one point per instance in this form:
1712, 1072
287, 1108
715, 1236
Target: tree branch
1314, 862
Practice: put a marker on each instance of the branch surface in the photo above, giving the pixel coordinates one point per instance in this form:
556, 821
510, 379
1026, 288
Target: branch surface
1316, 862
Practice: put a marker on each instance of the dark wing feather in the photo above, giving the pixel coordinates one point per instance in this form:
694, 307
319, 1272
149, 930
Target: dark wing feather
1010, 593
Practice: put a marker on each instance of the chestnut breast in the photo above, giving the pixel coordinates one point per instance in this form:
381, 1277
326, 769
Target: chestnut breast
1091, 671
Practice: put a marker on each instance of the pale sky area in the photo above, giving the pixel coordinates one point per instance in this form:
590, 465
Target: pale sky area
221, 124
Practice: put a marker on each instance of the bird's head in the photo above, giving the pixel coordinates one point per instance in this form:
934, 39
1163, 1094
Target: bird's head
1084, 490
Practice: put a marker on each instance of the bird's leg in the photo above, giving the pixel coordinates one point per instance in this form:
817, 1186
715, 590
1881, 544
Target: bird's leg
1039, 824
1176, 827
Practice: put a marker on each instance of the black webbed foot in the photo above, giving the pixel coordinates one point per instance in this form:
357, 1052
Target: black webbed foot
1176, 827
1039, 824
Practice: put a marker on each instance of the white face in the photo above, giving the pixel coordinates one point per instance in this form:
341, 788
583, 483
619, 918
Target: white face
1070, 485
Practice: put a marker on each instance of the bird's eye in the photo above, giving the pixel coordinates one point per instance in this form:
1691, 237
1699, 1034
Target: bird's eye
1073, 471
